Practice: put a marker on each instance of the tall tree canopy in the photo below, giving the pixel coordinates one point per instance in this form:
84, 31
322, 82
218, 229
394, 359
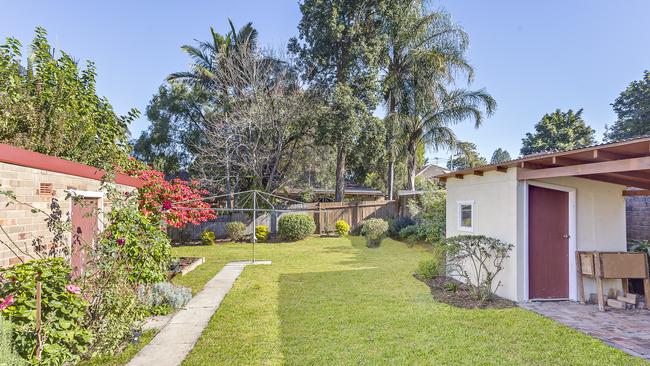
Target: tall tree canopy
420, 43
499, 156
559, 131
50, 105
633, 110
339, 49
466, 157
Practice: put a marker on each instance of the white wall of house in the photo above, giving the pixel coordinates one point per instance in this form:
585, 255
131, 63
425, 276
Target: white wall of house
500, 212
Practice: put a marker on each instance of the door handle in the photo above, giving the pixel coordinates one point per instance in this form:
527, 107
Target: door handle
566, 236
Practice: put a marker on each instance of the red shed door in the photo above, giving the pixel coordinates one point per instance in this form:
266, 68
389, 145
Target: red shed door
548, 243
84, 228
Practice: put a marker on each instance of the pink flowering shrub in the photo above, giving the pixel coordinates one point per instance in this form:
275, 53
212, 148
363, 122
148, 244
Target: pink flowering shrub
178, 202
63, 311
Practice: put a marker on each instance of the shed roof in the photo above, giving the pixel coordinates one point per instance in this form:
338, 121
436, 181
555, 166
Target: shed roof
624, 162
14, 155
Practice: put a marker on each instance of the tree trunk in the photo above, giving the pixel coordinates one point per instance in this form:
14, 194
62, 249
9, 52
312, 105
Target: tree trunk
411, 168
390, 156
228, 186
340, 174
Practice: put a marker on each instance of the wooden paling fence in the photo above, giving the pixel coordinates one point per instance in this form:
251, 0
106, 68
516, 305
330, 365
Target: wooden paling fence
325, 215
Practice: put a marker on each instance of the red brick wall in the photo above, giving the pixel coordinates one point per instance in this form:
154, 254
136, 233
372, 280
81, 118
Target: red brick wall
638, 217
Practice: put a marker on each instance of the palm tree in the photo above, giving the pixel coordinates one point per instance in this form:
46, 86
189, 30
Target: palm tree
417, 39
432, 125
205, 56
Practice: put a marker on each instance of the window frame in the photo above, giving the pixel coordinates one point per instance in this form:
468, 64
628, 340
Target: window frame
459, 205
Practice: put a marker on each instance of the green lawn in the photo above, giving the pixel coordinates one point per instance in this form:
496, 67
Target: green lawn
334, 301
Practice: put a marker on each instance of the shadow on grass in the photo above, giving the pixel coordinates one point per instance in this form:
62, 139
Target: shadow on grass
323, 315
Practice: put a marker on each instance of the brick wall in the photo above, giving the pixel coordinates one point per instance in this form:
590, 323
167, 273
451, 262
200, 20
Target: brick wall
638, 217
20, 224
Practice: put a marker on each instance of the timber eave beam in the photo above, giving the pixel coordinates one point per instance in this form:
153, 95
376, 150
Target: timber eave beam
604, 167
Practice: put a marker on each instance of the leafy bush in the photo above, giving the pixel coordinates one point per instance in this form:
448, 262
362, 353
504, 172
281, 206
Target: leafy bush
115, 309
396, 225
165, 295
262, 232
409, 233
208, 238
639, 246
140, 242
8, 356
430, 214
295, 226
430, 268
64, 339
341, 228
477, 259
374, 230
451, 287
236, 230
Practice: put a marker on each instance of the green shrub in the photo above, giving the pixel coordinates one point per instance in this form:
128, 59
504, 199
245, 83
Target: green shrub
430, 268
295, 226
409, 233
236, 230
63, 310
8, 356
478, 260
208, 238
396, 225
341, 228
262, 232
140, 242
374, 230
115, 309
452, 287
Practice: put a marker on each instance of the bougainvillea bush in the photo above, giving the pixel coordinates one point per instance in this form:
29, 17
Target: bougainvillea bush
178, 202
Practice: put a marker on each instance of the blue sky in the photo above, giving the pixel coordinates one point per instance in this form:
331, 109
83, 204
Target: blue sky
533, 56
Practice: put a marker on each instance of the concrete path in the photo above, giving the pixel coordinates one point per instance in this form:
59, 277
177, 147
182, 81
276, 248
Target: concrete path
627, 330
176, 339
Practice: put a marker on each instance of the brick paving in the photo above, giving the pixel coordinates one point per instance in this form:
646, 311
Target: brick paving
627, 330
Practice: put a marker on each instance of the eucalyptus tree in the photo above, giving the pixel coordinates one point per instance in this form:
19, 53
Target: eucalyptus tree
435, 114
339, 48
417, 39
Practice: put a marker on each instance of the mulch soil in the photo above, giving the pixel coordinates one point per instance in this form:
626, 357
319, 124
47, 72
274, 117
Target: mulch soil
461, 298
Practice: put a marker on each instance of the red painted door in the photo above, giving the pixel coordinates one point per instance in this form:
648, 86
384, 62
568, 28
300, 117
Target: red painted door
84, 228
548, 243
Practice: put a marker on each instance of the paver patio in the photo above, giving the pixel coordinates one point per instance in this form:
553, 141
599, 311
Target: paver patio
177, 338
627, 330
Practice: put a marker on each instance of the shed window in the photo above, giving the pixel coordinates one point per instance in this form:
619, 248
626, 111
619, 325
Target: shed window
466, 215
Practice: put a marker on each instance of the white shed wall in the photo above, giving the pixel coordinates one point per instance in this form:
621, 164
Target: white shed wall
500, 212
495, 215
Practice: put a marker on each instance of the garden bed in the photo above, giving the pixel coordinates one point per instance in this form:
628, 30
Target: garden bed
185, 265
462, 297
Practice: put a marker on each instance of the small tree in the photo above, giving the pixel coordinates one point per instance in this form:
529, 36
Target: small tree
477, 259
499, 156
633, 110
559, 131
